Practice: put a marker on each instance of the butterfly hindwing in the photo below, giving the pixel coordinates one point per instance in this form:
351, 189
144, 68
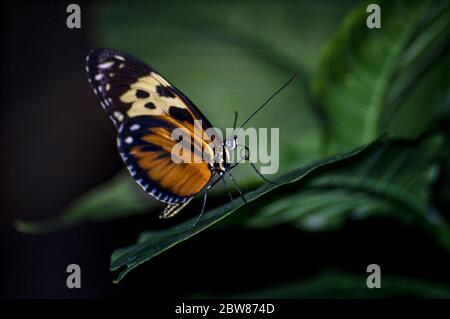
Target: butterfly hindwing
145, 146
146, 109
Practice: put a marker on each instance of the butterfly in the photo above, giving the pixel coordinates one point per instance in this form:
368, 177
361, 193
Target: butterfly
145, 108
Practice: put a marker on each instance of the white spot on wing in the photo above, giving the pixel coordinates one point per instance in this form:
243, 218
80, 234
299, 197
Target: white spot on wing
124, 157
130, 168
119, 57
120, 129
98, 77
118, 116
135, 127
106, 65
129, 140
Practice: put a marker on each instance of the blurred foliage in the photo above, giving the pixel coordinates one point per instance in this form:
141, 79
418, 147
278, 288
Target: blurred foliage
376, 81
335, 285
116, 198
383, 180
366, 84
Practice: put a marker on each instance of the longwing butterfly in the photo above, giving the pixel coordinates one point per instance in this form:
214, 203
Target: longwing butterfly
146, 108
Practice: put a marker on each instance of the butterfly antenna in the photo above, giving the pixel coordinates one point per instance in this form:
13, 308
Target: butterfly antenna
270, 98
235, 120
261, 175
255, 168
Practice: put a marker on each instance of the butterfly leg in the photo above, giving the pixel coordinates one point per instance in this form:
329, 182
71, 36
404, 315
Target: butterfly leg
204, 201
203, 206
237, 187
226, 187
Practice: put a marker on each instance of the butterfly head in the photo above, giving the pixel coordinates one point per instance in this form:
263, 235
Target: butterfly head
222, 157
231, 143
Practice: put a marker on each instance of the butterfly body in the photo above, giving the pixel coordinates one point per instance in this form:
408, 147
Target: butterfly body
146, 109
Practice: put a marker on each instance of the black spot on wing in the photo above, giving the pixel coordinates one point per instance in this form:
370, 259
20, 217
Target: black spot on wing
164, 91
141, 94
150, 105
181, 114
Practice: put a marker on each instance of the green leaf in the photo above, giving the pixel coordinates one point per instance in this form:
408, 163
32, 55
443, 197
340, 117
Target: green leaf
336, 285
152, 243
113, 199
392, 179
376, 81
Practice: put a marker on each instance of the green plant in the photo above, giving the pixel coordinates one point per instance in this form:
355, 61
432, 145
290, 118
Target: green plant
371, 112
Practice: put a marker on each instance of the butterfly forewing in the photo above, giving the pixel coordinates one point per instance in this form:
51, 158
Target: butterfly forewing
146, 109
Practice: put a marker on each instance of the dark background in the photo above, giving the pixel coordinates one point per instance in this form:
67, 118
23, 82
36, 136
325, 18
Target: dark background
56, 144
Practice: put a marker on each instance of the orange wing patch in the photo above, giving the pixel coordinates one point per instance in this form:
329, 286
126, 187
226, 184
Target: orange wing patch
183, 179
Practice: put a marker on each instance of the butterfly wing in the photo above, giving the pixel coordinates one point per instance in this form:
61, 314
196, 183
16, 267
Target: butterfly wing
145, 109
